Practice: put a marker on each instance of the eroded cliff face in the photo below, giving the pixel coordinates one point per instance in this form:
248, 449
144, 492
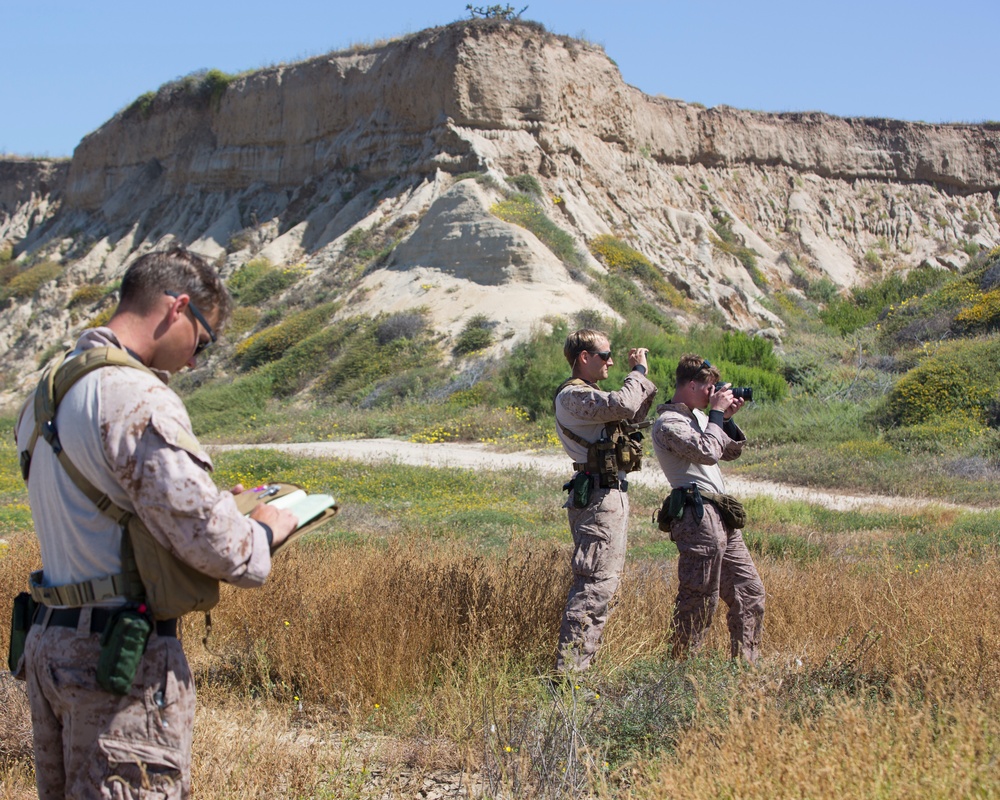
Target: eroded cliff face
287, 162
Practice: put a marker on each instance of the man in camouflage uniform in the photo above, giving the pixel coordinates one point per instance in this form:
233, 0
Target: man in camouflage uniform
600, 529
713, 559
130, 436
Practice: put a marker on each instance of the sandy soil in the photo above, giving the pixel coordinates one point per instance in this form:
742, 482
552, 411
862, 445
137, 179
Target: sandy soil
477, 456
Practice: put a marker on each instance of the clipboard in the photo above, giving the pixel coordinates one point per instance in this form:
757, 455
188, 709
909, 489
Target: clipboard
315, 509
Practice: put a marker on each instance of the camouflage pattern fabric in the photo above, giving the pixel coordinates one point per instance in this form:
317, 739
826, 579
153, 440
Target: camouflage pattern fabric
713, 561
130, 435
600, 536
89, 743
600, 531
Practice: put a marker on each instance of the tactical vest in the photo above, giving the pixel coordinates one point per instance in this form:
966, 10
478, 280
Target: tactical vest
618, 450
150, 573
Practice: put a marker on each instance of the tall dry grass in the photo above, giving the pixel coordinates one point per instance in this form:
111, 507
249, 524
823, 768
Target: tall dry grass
362, 669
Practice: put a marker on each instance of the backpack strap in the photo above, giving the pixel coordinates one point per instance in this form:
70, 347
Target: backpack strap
58, 378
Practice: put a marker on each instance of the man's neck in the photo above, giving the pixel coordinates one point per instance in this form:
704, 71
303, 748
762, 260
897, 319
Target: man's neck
131, 337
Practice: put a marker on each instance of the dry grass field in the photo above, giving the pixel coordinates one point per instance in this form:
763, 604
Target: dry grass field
403, 654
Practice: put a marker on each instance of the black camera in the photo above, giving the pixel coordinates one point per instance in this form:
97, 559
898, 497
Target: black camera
739, 392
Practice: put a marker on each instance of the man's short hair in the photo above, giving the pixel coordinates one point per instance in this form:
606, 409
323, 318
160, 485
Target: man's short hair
693, 367
583, 339
174, 270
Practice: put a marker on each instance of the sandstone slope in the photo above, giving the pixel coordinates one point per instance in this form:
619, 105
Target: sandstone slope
289, 162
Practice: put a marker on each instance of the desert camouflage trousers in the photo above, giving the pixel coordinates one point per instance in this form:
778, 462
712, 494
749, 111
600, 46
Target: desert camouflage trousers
90, 743
600, 535
713, 561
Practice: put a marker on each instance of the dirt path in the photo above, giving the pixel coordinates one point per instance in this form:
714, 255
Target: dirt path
477, 456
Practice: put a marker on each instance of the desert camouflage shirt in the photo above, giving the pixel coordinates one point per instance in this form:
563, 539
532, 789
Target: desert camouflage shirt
584, 409
126, 431
689, 447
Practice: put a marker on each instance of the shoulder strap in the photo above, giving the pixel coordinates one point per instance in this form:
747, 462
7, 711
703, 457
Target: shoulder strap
56, 381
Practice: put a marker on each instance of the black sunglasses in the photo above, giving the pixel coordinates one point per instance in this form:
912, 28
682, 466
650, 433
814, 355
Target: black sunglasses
604, 355
201, 318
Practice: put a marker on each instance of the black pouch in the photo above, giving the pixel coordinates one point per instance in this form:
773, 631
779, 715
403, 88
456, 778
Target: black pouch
122, 645
579, 489
20, 623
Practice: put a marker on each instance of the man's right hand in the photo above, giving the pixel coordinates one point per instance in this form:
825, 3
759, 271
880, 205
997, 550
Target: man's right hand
721, 399
637, 356
281, 521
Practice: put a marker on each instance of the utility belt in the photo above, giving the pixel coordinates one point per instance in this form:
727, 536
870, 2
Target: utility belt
125, 632
99, 619
602, 480
731, 510
582, 485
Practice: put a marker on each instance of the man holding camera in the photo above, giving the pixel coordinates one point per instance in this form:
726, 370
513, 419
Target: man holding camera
594, 427
702, 519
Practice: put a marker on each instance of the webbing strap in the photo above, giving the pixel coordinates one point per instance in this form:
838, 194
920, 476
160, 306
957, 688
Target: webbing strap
78, 594
56, 381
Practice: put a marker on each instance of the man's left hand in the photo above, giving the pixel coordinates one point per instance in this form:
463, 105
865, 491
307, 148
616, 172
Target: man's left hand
735, 406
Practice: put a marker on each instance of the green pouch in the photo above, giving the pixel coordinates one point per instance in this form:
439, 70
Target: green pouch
580, 492
20, 623
122, 645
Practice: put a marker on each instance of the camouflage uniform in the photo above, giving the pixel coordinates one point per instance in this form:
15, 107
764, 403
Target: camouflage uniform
600, 531
126, 431
713, 559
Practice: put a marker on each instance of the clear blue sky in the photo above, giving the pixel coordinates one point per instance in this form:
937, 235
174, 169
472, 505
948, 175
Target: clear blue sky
68, 66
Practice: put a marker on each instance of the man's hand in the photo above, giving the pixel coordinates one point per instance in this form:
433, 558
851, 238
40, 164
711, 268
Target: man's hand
637, 356
281, 521
735, 406
722, 399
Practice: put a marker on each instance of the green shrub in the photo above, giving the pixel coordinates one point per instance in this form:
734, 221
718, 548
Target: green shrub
476, 334
526, 184
866, 303
960, 377
533, 371
88, 294
305, 359
619, 257
271, 343
248, 274
268, 285
26, 283
242, 320
522, 210
360, 361
215, 407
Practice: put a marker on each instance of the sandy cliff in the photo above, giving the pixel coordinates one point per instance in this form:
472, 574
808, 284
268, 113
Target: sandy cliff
286, 162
